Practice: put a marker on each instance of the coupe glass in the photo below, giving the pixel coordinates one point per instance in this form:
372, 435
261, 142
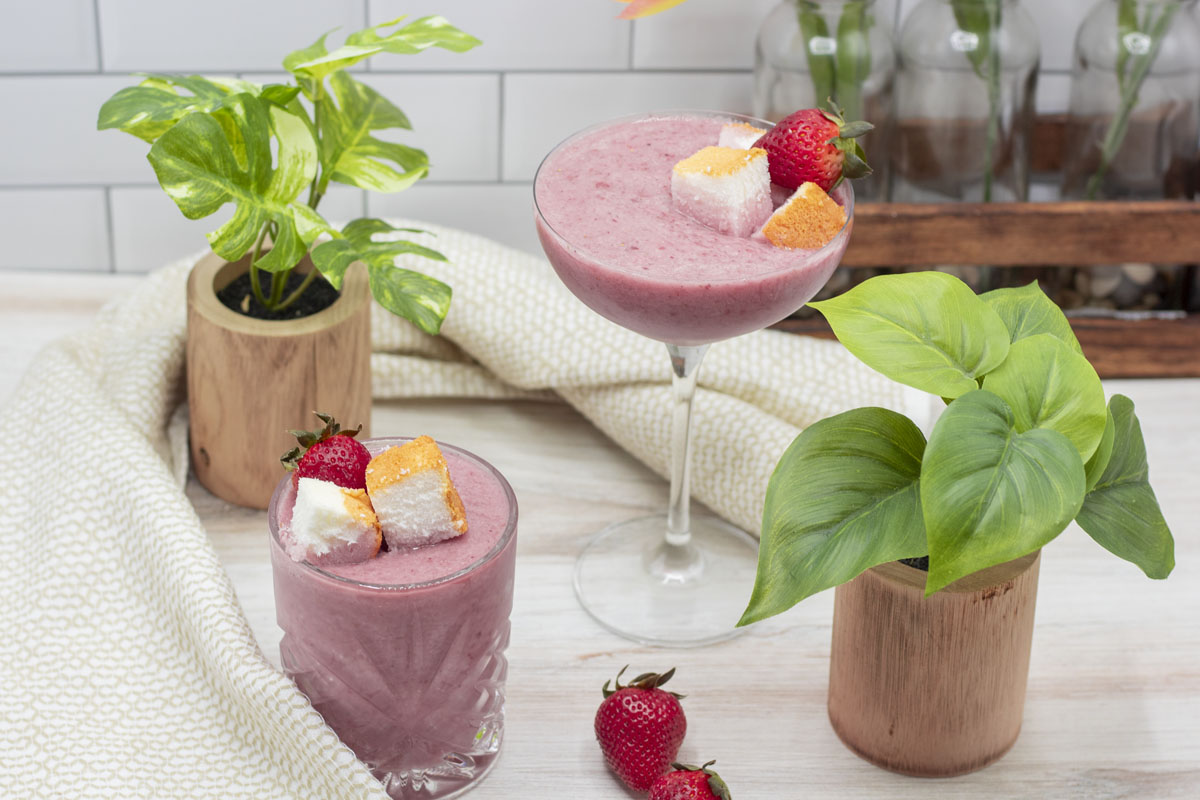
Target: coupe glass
667, 579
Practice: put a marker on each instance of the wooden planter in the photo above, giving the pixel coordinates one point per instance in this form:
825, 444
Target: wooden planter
250, 381
932, 686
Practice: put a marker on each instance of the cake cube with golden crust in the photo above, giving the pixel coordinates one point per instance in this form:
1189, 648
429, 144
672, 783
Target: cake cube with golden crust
413, 496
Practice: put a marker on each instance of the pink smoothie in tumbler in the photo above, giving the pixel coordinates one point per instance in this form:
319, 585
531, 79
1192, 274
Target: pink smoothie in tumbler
607, 225
403, 654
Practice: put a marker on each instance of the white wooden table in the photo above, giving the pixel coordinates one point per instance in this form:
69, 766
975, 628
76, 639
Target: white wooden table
1113, 709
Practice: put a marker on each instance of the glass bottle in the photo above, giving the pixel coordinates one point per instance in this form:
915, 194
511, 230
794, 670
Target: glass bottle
964, 102
811, 51
1135, 102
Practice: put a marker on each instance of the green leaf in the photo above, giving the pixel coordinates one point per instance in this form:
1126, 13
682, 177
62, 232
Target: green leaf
1096, 465
1121, 513
1027, 311
843, 498
207, 160
1049, 385
349, 154
420, 299
990, 493
314, 63
924, 329
974, 17
152, 107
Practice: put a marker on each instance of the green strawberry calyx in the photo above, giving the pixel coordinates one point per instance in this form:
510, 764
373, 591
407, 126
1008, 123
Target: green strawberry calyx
715, 784
306, 439
647, 680
854, 165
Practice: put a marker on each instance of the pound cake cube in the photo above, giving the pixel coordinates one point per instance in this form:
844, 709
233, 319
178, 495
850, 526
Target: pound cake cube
809, 220
741, 135
332, 524
724, 188
413, 495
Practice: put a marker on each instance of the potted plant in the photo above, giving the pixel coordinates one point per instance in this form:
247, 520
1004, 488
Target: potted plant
928, 666
269, 338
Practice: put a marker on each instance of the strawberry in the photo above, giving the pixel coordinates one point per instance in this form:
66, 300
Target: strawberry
815, 145
686, 782
640, 728
329, 454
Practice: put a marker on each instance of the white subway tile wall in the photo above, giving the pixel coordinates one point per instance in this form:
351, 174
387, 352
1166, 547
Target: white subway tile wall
486, 118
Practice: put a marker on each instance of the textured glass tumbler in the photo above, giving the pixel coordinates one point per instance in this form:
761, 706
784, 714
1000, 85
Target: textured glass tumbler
411, 677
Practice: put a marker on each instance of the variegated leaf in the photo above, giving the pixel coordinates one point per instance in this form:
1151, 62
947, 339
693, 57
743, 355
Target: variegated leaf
349, 154
422, 300
150, 109
314, 63
209, 159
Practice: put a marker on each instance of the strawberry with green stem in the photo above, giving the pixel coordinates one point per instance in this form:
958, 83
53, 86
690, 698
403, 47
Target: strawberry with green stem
329, 454
815, 145
686, 782
640, 728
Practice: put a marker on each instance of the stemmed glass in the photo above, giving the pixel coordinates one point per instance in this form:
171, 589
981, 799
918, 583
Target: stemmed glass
603, 215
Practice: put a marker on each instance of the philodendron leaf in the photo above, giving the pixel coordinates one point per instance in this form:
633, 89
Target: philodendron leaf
990, 493
420, 299
314, 63
1096, 465
207, 160
1027, 311
924, 329
349, 153
150, 109
843, 498
1121, 513
1049, 385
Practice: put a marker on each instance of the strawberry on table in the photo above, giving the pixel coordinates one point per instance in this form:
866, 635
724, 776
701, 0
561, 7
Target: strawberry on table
329, 454
815, 145
686, 782
639, 728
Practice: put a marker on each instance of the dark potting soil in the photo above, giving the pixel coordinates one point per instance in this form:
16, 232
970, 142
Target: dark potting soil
921, 563
237, 296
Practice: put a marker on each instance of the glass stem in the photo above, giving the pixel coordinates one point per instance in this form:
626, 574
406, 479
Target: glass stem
685, 367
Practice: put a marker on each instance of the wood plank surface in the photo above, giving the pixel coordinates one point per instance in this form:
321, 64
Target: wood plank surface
1117, 348
1024, 234
1113, 702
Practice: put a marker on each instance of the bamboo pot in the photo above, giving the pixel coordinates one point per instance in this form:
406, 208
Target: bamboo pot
250, 381
932, 686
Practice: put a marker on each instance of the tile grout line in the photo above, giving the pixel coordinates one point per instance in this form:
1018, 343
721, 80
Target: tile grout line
108, 222
500, 133
99, 42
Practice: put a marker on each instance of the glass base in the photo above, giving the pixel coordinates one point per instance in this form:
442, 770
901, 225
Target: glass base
455, 775
639, 587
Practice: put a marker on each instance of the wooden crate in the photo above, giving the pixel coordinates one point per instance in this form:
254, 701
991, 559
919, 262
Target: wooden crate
1068, 234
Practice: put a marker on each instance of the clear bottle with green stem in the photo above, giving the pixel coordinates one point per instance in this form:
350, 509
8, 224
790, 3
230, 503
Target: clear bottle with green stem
811, 51
1135, 102
964, 103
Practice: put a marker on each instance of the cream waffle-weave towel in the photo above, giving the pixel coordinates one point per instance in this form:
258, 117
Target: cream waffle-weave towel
128, 669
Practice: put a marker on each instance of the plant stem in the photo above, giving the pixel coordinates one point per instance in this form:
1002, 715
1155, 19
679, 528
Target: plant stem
993, 85
853, 63
1114, 137
255, 286
294, 296
821, 65
320, 181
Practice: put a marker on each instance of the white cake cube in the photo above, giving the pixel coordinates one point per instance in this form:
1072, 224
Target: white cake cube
413, 495
741, 135
331, 524
725, 188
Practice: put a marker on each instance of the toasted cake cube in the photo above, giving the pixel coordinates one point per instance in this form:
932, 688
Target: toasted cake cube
741, 135
413, 495
332, 524
725, 188
807, 221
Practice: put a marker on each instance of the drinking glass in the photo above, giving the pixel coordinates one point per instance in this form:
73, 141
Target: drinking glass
667, 579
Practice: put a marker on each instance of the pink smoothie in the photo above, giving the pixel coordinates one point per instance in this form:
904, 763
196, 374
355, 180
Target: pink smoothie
607, 225
403, 655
